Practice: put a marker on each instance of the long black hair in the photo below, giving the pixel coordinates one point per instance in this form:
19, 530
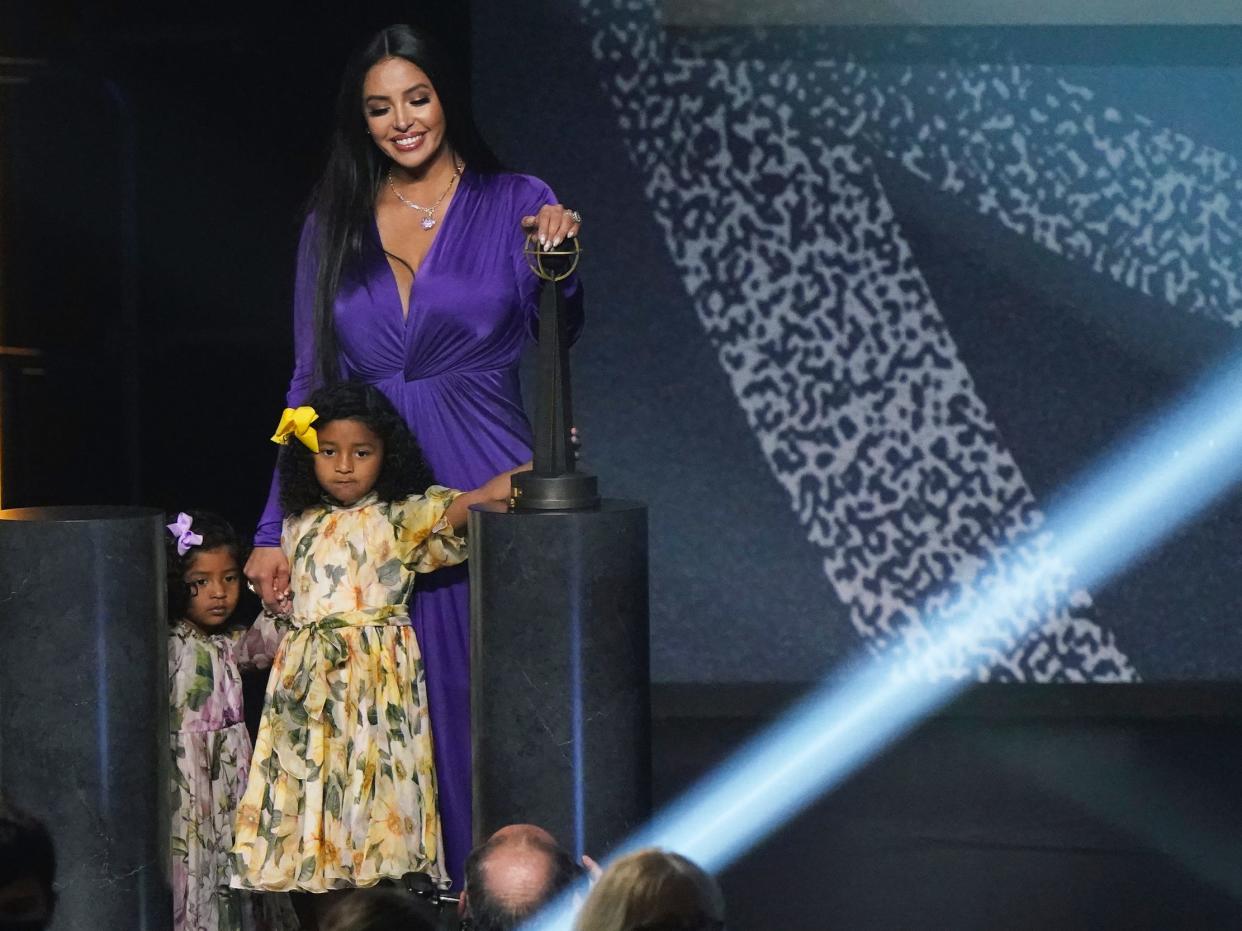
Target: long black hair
404, 471
343, 202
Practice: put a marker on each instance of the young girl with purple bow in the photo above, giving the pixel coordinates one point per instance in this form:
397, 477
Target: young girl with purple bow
208, 739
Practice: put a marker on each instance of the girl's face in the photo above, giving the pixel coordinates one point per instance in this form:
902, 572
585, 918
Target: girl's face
214, 580
403, 114
349, 460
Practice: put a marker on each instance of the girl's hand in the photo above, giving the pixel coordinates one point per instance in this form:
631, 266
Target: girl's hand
501, 487
268, 572
495, 490
553, 224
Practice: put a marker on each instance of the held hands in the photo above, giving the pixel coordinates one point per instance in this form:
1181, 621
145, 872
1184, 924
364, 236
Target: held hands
553, 224
268, 572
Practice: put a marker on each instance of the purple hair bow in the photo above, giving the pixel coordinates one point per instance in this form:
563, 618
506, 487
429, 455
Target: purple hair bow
186, 538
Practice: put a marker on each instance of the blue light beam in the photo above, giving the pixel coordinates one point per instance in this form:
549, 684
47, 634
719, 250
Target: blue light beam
1162, 477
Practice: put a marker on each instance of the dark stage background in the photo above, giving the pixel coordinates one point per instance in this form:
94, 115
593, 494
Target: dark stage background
861, 300
892, 290
861, 303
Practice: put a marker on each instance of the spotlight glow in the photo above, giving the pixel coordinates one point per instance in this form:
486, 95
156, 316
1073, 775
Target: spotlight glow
1166, 474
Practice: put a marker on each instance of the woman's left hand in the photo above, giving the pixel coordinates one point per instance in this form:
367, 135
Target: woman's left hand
553, 224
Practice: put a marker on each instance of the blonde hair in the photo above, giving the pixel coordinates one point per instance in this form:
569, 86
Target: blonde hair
656, 890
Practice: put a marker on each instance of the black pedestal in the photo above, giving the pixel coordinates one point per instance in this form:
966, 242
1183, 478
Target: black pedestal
84, 704
559, 671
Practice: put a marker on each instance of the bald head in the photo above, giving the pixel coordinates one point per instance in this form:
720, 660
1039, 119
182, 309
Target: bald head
516, 873
518, 870
524, 832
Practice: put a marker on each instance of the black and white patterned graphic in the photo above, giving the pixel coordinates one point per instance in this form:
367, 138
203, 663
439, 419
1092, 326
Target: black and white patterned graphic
1148, 207
762, 178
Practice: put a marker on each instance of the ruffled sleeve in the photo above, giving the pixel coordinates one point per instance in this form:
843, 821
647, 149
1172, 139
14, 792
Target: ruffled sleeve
191, 672
180, 653
256, 646
424, 536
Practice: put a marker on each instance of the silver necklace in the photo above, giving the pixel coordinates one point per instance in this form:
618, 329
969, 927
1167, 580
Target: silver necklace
429, 220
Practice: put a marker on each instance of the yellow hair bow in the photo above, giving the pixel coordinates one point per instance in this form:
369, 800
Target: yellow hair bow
298, 423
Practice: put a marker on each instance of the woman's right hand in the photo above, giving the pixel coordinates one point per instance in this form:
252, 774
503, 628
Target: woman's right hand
268, 572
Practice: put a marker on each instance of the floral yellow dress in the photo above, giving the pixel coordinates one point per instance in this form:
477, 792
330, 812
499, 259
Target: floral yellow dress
342, 789
210, 760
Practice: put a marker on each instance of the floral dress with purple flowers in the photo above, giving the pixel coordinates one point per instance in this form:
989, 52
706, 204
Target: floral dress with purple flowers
211, 759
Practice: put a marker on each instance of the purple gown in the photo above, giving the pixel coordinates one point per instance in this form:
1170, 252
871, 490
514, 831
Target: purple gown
451, 368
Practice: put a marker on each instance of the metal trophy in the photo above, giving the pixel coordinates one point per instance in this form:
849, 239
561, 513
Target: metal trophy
554, 483
560, 713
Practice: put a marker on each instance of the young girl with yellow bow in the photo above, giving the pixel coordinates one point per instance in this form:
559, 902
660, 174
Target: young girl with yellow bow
342, 789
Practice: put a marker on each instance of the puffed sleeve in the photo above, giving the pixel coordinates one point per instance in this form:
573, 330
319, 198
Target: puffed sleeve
531, 194
424, 536
256, 646
302, 382
179, 651
288, 534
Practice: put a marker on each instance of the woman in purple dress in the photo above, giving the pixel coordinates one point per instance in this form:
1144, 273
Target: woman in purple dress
411, 277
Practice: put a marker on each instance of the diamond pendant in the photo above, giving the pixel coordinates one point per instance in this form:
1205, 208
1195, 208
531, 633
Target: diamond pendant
428, 222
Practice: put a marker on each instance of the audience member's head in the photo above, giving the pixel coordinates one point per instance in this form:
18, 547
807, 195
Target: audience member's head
27, 870
653, 890
379, 909
519, 869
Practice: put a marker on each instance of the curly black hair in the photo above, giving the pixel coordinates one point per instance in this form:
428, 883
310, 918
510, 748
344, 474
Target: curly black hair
403, 472
216, 533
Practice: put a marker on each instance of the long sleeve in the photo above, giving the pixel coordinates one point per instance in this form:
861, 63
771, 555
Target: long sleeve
256, 646
426, 538
537, 195
302, 382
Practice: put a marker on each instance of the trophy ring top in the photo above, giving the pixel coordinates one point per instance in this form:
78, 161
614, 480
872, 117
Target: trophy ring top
546, 263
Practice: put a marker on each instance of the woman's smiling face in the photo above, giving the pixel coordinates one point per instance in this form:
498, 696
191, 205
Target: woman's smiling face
403, 114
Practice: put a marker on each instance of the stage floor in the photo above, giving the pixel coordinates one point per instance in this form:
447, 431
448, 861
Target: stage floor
1018, 807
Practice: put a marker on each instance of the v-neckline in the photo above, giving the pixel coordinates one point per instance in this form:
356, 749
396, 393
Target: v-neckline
406, 307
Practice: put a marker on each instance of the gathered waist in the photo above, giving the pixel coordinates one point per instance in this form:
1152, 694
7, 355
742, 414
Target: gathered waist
412, 377
303, 688
461, 372
385, 616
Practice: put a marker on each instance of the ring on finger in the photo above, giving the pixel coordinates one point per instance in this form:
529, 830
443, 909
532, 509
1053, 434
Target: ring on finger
575, 216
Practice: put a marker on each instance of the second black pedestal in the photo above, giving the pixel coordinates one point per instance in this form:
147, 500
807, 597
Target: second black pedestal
559, 671
84, 704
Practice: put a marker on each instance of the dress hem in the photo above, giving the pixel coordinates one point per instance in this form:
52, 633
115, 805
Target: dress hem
236, 883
